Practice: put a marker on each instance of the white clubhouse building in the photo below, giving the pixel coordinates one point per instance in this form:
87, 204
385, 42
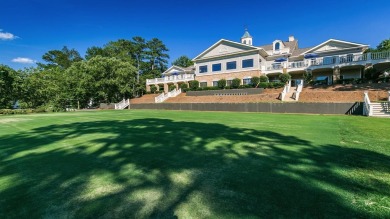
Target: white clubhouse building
328, 61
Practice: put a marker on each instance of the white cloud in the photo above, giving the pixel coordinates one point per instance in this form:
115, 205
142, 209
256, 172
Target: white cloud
6, 35
23, 60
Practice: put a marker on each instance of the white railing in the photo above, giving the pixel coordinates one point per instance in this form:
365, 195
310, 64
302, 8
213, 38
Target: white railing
380, 55
123, 104
286, 89
171, 78
162, 97
298, 91
332, 60
388, 99
299, 64
367, 107
174, 93
274, 67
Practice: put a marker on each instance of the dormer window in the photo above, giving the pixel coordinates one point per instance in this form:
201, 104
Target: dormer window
277, 46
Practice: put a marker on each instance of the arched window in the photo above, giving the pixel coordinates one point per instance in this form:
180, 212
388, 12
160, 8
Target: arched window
277, 46
244, 42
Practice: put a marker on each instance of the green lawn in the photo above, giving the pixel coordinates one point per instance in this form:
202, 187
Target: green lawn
172, 164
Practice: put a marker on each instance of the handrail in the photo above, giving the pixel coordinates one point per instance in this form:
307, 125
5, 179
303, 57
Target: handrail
367, 107
388, 99
123, 104
162, 97
298, 91
331, 60
171, 78
286, 89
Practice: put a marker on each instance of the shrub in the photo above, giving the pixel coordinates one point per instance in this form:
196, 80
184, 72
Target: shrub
371, 73
255, 81
184, 90
307, 77
194, 84
245, 86
264, 78
285, 77
153, 89
277, 84
221, 83
235, 83
171, 87
183, 86
263, 84
40, 109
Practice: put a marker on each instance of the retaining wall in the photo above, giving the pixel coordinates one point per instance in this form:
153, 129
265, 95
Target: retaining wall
310, 108
247, 91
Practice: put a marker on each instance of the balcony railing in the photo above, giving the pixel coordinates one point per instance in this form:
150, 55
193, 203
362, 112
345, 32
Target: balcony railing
172, 78
333, 60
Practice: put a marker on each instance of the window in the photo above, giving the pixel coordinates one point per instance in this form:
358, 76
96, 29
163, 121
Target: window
246, 81
215, 83
244, 42
228, 82
231, 65
217, 67
277, 46
247, 63
203, 69
203, 84
329, 60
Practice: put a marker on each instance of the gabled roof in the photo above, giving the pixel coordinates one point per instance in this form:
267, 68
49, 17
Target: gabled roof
290, 44
220, 42
298, 52
187, 69
337, 41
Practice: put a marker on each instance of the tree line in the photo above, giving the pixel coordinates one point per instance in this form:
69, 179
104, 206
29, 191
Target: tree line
108, 74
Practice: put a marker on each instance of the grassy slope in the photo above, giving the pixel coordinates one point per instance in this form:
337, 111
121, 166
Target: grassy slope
163, 164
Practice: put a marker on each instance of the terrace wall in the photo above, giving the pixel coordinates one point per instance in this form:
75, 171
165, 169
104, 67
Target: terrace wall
355, 108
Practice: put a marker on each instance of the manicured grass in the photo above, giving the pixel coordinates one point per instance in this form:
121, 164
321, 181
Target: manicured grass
169, 164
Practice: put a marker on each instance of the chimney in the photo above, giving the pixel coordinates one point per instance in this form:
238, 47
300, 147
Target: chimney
291, 38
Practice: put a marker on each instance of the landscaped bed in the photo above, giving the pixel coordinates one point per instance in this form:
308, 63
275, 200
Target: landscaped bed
167, 164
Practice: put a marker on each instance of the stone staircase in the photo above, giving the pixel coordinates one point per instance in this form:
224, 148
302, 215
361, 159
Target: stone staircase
380, 109
290, 95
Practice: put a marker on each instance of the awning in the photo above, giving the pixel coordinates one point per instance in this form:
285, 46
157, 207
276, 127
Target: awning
311, 55
280, 60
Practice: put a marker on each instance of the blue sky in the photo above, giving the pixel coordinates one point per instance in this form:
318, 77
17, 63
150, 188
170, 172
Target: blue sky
29, 28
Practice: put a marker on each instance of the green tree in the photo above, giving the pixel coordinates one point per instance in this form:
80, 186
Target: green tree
264, 78
111, 79
61, 58
42, 87
10, 86
96, 51
183, 61
236, 82
221, 83
384, 45
138, 52
255, 81
194, 84
156, 54
285, 77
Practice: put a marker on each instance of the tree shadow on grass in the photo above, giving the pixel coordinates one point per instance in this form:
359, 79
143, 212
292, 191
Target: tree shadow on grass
159, 168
